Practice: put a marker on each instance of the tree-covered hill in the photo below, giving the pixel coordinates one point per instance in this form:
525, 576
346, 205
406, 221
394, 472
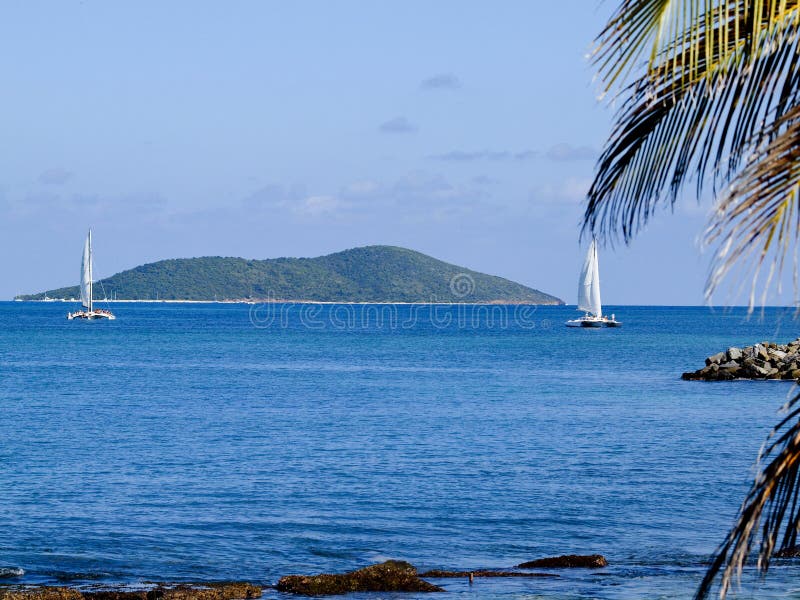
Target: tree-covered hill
368, 274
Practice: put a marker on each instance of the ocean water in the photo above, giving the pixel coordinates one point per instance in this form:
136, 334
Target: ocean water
213, 441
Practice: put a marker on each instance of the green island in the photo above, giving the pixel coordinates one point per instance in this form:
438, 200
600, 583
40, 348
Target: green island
366, 274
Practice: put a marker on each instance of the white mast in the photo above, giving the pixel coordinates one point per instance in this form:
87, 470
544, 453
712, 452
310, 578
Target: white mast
91, 275
86, 273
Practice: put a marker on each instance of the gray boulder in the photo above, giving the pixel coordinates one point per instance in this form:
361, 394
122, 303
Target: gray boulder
711, 369
760, 371
734, 353
777, 355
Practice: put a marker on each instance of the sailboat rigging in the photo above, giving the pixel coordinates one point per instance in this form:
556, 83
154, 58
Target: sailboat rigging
589, 294
86, 287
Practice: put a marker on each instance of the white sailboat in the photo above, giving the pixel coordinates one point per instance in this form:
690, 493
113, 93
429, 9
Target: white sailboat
589, 295
89, 312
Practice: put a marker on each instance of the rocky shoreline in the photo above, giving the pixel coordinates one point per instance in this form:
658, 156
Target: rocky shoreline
400, 576
765, 360
389, 576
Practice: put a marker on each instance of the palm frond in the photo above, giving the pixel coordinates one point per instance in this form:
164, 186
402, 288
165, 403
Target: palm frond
759, 215
638, 27
671, 32
771, 506
711, 90
695, 112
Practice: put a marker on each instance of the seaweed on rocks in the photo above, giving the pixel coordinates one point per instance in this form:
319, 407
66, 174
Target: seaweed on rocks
230, 590
389, 576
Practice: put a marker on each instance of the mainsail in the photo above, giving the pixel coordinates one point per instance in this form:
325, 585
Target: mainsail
589, 284
86, 273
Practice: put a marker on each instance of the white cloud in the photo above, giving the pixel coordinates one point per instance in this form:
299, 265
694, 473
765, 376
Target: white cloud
315, 206
495, 155
361, 188
568, 153
572, 190
415, 193
442, 81
398, 125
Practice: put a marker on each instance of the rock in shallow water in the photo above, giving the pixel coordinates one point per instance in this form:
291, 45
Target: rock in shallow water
438, 574
567, 561
389, 576
790, 552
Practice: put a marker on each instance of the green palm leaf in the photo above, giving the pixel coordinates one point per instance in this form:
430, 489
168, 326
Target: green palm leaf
773, 503
710, 92
760, 212
713, 91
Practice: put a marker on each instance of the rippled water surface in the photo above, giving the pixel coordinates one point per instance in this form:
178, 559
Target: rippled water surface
197, 442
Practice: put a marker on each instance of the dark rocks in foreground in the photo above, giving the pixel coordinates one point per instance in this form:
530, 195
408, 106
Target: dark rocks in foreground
389, 576
567, 561
790, 552
234, 590
400, 576
766, 360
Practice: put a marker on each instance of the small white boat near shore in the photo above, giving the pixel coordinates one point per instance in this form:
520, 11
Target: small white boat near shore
589, 295
89, 313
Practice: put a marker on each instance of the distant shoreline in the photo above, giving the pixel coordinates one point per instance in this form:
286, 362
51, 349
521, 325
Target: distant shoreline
273, 301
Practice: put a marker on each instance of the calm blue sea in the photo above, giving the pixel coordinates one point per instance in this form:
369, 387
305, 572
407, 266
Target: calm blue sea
212, 441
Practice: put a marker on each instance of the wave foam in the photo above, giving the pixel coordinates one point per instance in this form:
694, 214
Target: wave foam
8, 572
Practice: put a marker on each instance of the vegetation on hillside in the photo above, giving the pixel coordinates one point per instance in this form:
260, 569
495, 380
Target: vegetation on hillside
368, 274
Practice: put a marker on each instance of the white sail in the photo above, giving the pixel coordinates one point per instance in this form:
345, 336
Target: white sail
589, 284
86, 273
89, 314
597, 307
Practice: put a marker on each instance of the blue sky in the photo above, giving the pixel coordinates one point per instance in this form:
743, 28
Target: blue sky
465, 130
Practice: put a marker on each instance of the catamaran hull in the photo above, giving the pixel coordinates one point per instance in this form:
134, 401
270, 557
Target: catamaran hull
593, 323
91, 316
584, 323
